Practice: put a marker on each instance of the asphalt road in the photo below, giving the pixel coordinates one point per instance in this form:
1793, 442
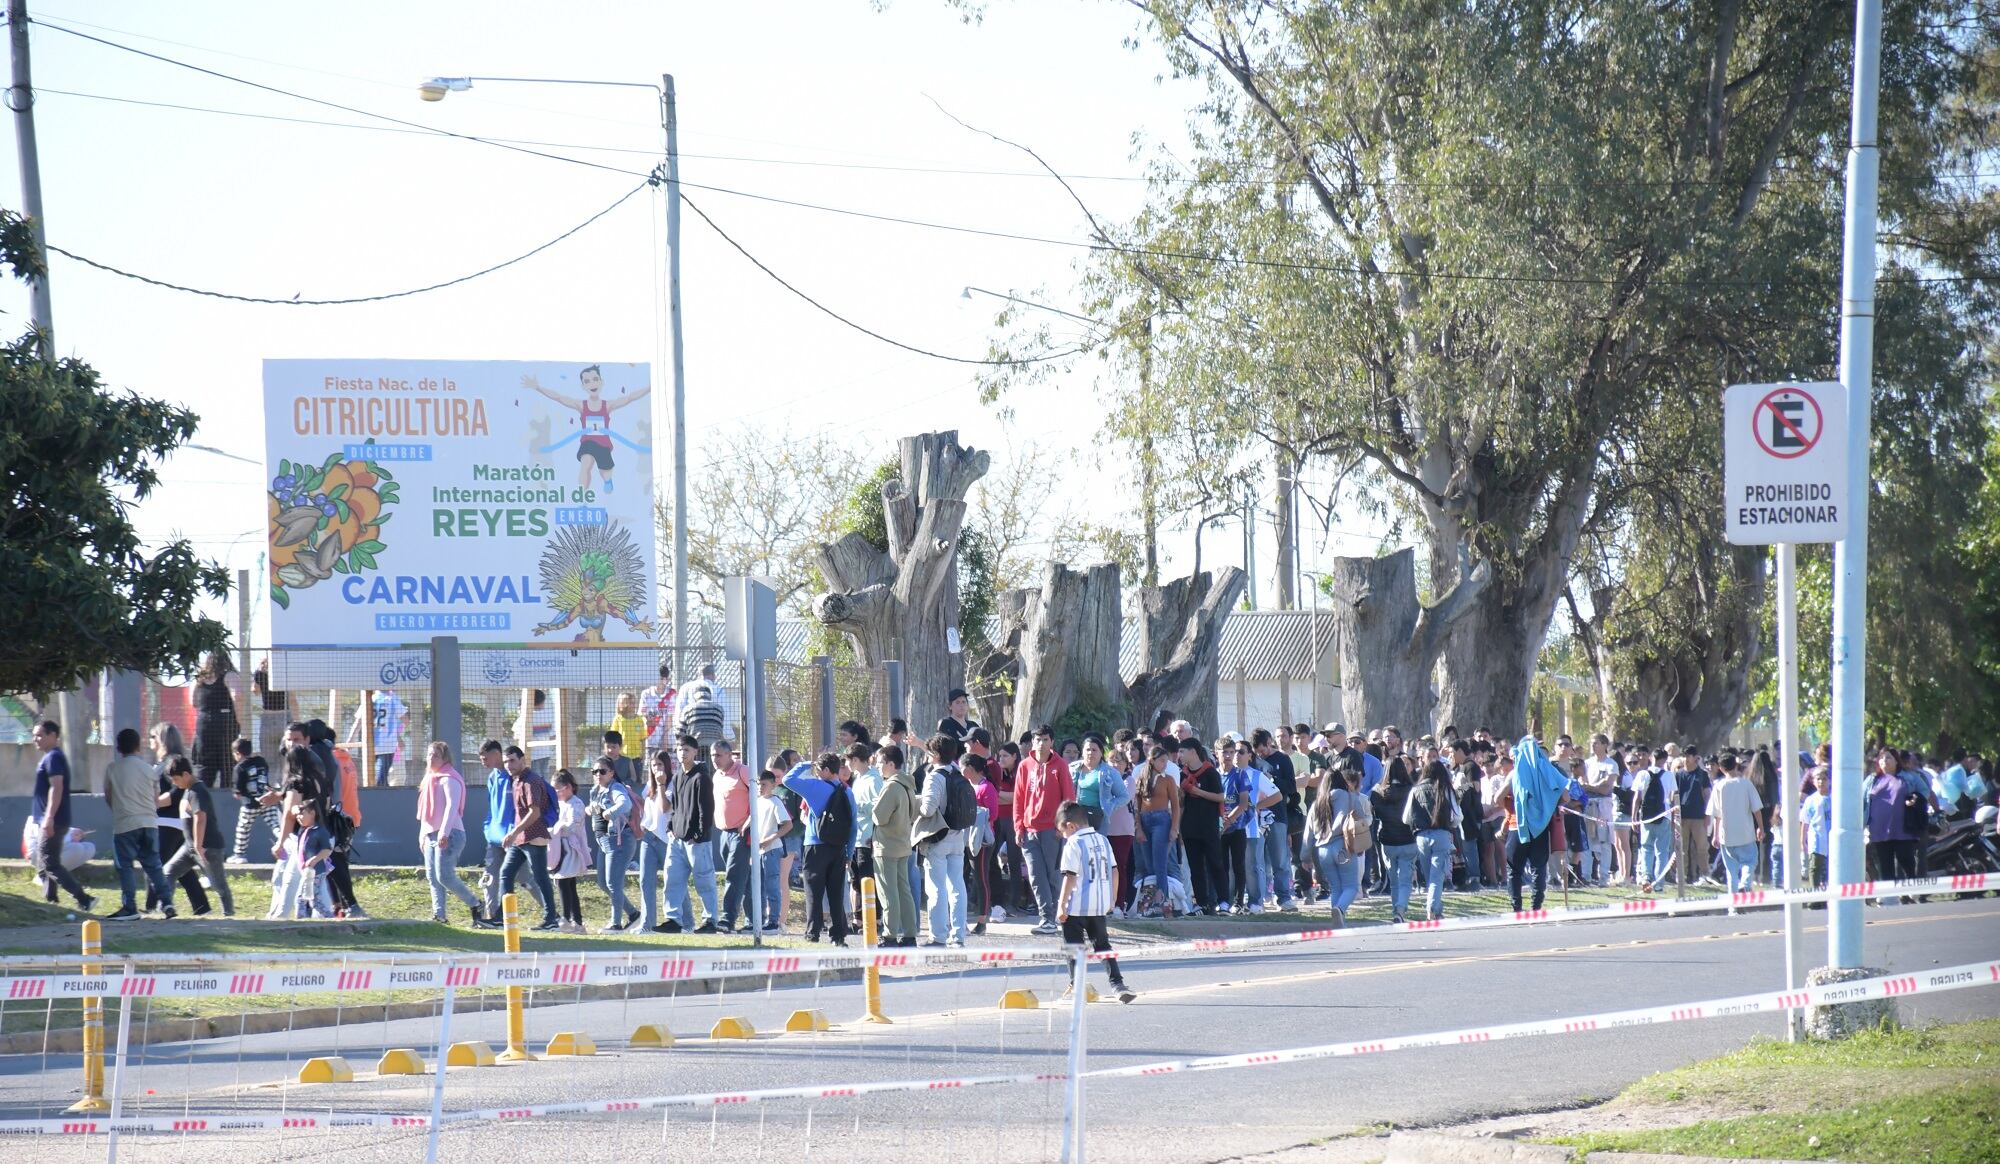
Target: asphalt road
1381, 985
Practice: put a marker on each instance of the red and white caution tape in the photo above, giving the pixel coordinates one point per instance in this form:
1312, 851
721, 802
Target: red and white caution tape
1963, 977
360, 972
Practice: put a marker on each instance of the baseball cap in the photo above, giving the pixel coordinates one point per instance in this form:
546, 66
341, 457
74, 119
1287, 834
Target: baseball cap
1335, 728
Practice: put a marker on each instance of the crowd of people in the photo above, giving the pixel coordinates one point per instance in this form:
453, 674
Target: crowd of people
958, 830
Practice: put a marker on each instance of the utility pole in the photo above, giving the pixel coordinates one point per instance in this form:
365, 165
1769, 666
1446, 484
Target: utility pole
670, 118
1850, 556
21, 99
1286, 570
1149, 502
1250, 540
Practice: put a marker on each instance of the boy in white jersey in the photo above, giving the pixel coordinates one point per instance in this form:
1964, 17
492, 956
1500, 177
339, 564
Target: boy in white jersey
1089, 888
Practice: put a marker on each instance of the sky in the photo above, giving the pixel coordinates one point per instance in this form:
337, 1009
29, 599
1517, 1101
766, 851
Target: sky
196, 179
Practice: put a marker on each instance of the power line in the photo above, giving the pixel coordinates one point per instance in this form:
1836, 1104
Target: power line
295, 301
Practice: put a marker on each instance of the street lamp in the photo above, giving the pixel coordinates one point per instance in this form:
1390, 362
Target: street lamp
436, 89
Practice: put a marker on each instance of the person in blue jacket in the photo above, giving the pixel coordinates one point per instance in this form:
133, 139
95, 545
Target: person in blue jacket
830, 814
499, 822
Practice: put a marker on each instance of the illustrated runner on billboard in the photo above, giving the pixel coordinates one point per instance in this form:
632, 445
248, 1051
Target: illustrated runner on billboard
593, 442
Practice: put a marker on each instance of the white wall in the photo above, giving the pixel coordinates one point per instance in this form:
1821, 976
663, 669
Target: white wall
1264, 704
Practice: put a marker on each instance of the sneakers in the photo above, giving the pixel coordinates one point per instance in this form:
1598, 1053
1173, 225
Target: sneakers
549, 925
669, 926
706, 927
1046, 928
573, 927
89, 902
1125, 993
356, 913
237, 861
125, 913
1256, 907
167, 912
610, 928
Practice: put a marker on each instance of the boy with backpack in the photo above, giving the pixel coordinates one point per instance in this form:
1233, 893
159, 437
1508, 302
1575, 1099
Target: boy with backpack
945, 814
828, 842
699, 711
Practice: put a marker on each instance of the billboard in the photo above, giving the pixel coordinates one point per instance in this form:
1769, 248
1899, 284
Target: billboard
500, 501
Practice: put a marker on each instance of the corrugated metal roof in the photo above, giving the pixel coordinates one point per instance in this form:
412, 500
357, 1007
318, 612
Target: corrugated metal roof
1264, 644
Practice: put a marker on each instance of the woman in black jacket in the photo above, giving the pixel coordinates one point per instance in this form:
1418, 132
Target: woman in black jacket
215, 723
1398, 841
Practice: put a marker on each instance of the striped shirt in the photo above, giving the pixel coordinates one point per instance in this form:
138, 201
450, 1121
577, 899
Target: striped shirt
1088, 855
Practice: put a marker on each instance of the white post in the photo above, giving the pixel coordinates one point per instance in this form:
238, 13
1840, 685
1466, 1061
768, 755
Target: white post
437, 1087
671, 122
1850, 557
1079, 994
118, 1073
1787, 842
21, 99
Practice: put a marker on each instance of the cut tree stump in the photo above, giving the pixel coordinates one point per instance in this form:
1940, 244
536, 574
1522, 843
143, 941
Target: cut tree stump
1389, 641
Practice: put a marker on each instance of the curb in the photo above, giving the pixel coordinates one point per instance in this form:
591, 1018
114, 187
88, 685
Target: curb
1438, 1148
69, 1040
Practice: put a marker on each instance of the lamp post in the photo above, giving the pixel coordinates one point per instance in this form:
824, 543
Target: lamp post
436, 89
1318, 580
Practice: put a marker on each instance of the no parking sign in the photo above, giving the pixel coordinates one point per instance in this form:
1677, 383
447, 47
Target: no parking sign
1784, 463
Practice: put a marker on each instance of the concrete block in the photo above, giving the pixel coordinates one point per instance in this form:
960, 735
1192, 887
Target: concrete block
807, 1021
651, 1035
731, 1026
326, 1069
1020, 1000
400, 1061
1845, 1018
472, 1054
570, 1043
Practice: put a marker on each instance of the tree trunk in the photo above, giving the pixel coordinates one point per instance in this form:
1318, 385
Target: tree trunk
1489, 665
998, 675
899, 603
1287, 561
1389, 642
1181, 628
1070, 647
1698, 694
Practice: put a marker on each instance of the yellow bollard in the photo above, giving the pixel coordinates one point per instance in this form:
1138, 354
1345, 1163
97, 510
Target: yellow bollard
93, 1029
571, 1043
731, 1026
326, 1069
651, 1035
807, 1022
872, 977
517, 1022
470, 1054
400, 1061
1020, 1000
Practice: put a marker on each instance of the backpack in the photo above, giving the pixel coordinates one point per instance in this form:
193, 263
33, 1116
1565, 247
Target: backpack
551, 811
1357, 832
961, 809
836, 824
701, 713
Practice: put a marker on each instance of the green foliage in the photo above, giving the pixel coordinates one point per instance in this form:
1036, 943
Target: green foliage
975, 590
1093, 711
78, 592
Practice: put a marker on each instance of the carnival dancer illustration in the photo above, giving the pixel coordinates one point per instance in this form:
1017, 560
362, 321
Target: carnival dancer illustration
593, 436
590, 575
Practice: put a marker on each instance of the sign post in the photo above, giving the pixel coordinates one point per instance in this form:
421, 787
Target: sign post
1784, 469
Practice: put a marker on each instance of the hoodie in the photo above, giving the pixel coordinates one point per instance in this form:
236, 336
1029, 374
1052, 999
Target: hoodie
895, 812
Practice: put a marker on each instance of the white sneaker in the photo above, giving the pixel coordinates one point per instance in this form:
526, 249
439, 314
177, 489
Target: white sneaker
1256, 907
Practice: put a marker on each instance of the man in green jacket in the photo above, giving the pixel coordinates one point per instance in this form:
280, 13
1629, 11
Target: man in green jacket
895, 813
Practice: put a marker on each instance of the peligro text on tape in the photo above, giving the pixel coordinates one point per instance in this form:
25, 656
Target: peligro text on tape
1963, 977
578, 968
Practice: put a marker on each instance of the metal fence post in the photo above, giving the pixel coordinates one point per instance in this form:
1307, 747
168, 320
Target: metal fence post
894, 670
751, 612
1079, 996
824, 721
447, 696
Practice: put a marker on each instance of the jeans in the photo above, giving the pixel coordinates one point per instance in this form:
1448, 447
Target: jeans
685, 859
826, 895
141, 846
1468, 852
1532, 853
46, 856
441, 869
315, 893
1402, 861
536, 858
774, 888
1041, 851
1738, 862
385, 763
736, 877
495, 857
944, 873
652, 861
1341, 873
614, 858
1278, 862
1656, 842
209, 861
899, 905
1156, 826
1434, 848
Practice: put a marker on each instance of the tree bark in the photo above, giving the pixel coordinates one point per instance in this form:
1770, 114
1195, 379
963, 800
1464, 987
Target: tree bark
1389, 642
1697, 694
1181, 625
899, 602
1069, 649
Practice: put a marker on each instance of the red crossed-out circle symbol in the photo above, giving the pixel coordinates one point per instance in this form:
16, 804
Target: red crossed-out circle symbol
1787, 423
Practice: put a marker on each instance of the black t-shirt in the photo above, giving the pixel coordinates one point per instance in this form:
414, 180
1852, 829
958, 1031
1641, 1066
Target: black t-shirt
253, 778
957, 729
198, 799
1203, 817
1285, 776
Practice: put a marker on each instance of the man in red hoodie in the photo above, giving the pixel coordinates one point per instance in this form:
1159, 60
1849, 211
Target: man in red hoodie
1041, 785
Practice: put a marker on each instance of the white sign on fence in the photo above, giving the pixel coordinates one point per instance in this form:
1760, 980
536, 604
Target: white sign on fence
499, 501
1784, 463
